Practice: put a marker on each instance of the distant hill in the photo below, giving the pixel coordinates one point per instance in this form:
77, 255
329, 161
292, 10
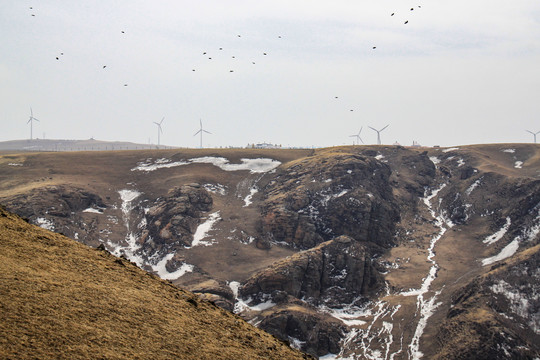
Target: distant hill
64, 300
73, 145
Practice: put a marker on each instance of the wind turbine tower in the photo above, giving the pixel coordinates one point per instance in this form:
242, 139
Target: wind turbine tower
358, 138
379, 133
159, 129
31, 120
201, 130
534, 134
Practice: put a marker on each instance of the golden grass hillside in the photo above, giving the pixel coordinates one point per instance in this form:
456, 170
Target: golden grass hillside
63, 300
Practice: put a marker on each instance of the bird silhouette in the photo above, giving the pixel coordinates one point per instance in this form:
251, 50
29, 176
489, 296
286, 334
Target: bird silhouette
412, 9
374, 47
264, 54
104, 66
406, 22
392, 14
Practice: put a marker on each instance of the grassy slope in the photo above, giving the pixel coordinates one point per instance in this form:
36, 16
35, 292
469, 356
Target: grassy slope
62, 299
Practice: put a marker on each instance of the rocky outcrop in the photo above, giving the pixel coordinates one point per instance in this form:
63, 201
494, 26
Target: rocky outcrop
334, 273
496, 315
58, 201
328, 195
315, 333
173, 219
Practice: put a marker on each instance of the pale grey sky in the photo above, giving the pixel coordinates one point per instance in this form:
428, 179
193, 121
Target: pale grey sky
459, 72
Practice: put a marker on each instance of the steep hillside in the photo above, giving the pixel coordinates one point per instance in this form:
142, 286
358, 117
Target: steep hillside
349, 252
63, 300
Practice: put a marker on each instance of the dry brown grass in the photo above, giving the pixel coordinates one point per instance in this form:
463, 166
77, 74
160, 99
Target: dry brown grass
63, 300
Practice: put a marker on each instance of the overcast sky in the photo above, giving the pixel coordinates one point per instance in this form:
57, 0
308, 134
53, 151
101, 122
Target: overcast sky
459, 72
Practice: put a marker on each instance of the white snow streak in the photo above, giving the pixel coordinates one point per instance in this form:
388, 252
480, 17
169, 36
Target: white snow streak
511, 151
450, 149
203, 229
163, 273
247, 199
260, 165
92, 210
425, 306
518, 164
499, 234
473, 186
505, 253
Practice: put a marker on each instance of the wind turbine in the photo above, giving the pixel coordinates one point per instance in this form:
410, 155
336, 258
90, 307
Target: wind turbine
357, 136
201, 130
379, 133
159, 129
534, 134
31, 120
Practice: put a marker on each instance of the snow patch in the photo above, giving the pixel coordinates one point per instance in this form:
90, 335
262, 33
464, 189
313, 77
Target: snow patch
435, 160
460, 162
45, 223
379, 157
203, 229
216, 189
162, 163
247, 199
511, 151
473, 186
92, 210
519, 304
505, 253
259, 165
450, 149
518, 164
15, 164
499, 234
161, 270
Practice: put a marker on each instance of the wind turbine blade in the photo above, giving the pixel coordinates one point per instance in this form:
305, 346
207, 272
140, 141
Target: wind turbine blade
197, 132
162, 120
530, 132
384, 127
160, 130
33, 118
208, 132
31, 113
373, 129
156, 123
29, 120
361, 127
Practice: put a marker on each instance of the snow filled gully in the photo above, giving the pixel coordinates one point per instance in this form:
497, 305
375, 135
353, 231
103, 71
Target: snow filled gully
425, 306
381, 336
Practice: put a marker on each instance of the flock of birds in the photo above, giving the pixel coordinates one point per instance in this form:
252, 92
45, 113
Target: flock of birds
220, 55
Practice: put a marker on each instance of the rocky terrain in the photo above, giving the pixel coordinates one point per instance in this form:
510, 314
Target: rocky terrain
363, 252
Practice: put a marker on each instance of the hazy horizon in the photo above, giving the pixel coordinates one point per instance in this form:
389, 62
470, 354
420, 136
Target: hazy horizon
457, 73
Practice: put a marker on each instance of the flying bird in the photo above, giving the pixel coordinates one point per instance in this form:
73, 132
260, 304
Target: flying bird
123, 32
412, 9
220, 48
392, 14
264, 53
104, 66
374, 47
238, 35
125, 84
406, 22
